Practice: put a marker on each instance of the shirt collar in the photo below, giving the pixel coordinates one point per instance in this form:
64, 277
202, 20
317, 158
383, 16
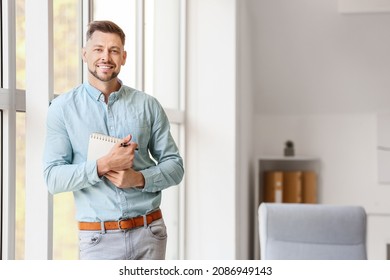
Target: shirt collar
93, 92
98, 95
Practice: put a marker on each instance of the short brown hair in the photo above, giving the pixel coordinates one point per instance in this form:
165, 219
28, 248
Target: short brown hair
105, 26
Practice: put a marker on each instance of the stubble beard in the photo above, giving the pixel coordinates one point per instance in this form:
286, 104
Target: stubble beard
103, 79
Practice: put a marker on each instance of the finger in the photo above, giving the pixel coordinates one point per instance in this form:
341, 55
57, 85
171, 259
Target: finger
134, 145
125, 141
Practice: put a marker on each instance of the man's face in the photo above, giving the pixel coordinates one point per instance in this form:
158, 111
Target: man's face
104, 54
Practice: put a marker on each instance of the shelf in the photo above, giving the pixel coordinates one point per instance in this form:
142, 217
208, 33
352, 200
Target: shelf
288, 158
279, 163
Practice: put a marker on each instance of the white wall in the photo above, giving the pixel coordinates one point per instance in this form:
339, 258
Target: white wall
346, 145
311, 59
321, 78
211, 130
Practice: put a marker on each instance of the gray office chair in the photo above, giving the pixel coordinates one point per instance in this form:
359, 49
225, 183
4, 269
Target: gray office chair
312, 231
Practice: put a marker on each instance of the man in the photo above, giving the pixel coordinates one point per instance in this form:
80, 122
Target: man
117, 196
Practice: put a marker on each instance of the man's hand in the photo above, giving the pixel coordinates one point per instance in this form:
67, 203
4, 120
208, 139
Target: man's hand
128, 178
119, 158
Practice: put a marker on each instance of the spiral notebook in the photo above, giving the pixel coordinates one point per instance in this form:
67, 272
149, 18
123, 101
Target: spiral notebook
100, 144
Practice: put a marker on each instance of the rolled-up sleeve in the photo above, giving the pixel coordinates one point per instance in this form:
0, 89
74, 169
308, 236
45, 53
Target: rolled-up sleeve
60, 174
169, 170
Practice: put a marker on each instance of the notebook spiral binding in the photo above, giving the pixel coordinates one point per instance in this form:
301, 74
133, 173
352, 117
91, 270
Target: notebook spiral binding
104, 137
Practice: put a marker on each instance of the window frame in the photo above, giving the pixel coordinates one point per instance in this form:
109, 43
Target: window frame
1, 47
1, 132
8, 105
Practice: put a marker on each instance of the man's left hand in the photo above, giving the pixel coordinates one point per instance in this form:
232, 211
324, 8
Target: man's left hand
128, 178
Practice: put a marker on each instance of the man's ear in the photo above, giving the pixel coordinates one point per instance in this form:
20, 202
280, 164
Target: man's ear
83, 52
124, 57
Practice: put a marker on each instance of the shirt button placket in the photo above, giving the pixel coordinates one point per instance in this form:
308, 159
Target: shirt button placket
110, 120
123, 203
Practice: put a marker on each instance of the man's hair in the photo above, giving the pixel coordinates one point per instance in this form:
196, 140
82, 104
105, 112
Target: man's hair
105, 26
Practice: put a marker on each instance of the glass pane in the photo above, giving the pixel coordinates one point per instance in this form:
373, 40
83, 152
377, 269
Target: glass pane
20, 132
1, 181
20, 45
67, 75
20, 184
1, 125
124, 14
67, 45
65, 237
162, 51
1, 53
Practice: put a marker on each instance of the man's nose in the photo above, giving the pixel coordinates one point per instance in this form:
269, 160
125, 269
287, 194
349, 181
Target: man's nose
105, 55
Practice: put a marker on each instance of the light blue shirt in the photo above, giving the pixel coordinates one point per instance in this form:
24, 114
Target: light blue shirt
73, 116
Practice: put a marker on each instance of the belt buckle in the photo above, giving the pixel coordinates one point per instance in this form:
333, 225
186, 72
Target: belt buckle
125, 219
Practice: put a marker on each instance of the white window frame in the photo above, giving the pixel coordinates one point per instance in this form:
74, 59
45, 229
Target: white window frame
8, 105
39, 91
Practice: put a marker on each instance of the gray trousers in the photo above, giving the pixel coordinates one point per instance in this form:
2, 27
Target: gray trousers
143, 243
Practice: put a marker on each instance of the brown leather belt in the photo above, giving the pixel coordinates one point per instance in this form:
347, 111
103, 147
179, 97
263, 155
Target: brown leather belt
122, 224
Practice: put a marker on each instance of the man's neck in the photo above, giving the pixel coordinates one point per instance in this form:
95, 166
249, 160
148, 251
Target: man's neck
106, 87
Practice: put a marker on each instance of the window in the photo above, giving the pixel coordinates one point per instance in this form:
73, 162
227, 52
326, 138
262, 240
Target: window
163, 60
20, 132
145, 63
12, 106
20, 185
147, 24
125, 15
1, 131
162, 51
155, 47
67, 74
1, 46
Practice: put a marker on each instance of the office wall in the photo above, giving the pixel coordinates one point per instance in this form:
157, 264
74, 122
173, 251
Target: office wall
321, 78
310, 59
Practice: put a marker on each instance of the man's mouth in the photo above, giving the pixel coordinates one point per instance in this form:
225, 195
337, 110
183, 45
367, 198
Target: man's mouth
105, 66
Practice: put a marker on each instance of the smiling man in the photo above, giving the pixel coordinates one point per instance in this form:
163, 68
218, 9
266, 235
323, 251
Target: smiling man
118, 195
104, 54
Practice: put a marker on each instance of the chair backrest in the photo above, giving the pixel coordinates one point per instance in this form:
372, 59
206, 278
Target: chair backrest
312, 231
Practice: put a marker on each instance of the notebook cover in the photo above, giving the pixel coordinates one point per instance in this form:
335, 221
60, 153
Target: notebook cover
99, 145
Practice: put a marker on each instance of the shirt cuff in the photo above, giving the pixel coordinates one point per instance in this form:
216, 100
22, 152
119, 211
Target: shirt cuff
91, 171
153, 180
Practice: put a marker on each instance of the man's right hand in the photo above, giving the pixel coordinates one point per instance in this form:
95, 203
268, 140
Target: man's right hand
119, 158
